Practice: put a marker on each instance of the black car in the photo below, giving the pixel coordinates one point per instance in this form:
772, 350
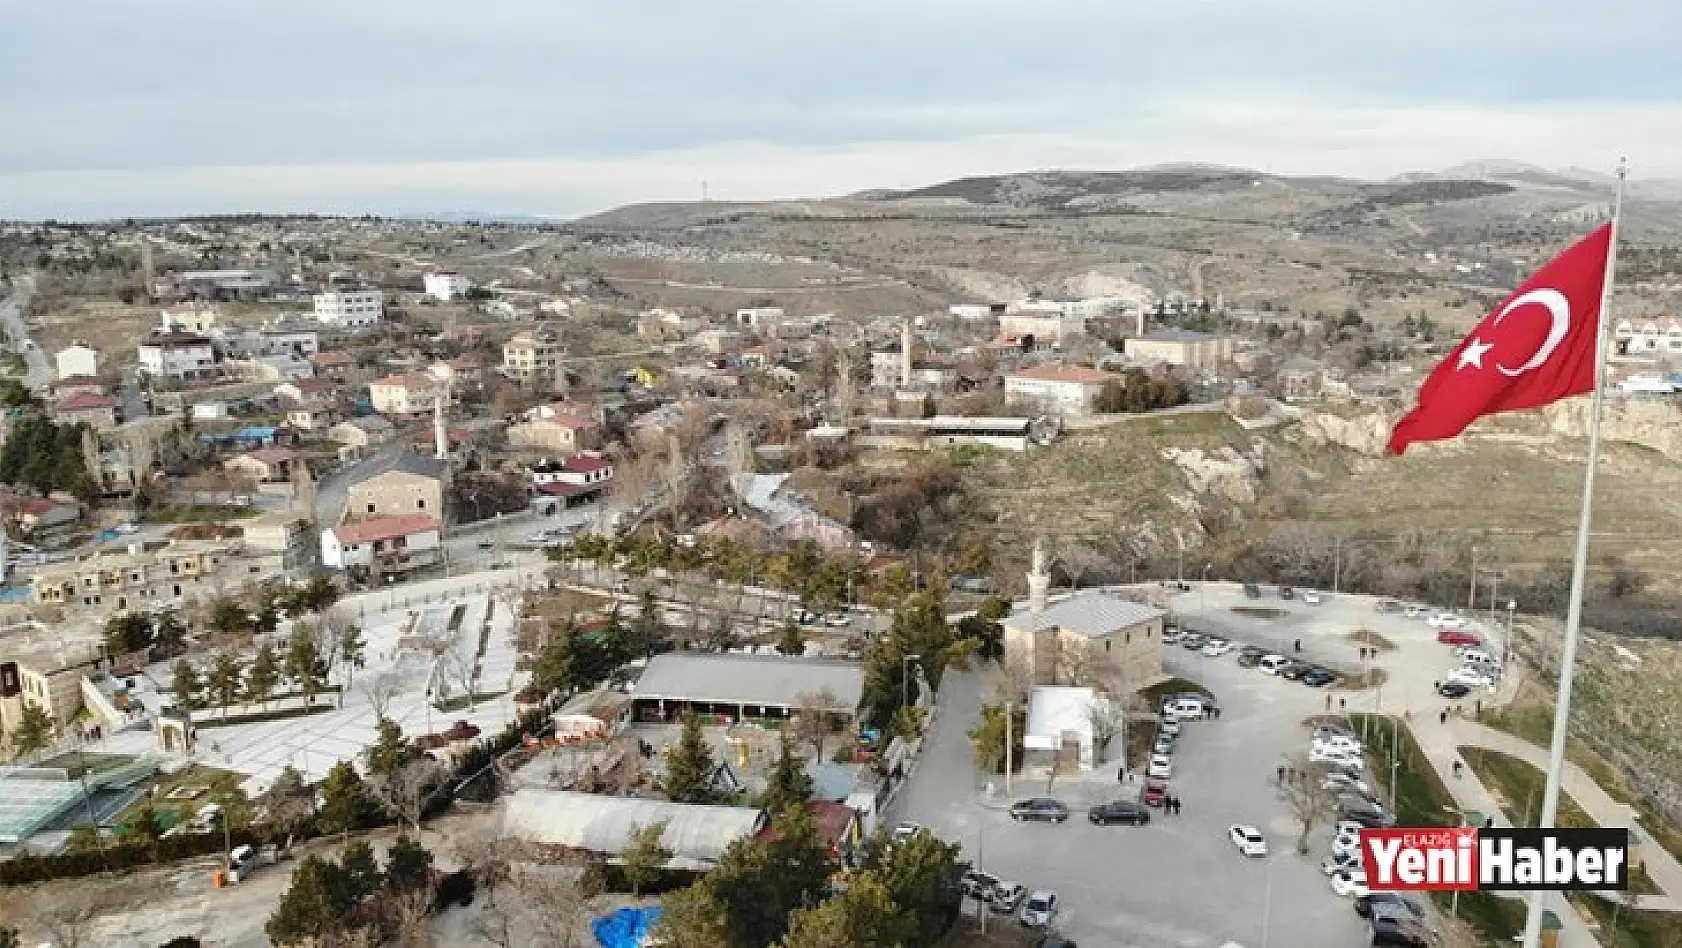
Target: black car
1119, 811
1250, 657
1318, 678
1387, 902
1252, 590
1286, 592
1294, 671
1054, 941
1357, 811
978, 885
1044, 809
1401, 929
1454, 689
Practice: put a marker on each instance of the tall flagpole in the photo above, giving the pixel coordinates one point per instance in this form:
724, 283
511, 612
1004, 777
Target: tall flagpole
1579, 566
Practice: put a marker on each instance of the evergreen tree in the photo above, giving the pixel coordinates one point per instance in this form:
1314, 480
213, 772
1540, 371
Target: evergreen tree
34, 731
389, 752
263, 676
790, 641
644, 856
127, 633
362, 874
351, 648
186, 685
690, 765
345, 804
303, 662
646, 634
169, 635
408, 865
788, 784
141, 827
759, 884
314, 908
692, 918
922, 875
229, 617
224, 680
862, 914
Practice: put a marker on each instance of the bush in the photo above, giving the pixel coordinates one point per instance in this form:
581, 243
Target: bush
455, 888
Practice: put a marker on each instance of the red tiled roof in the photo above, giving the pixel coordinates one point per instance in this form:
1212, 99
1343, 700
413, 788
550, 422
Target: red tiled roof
384, 528
81, 401
272, 455
31, 505
563, 489
1062, 373
332, 358
832, 820
583, 464
308, 386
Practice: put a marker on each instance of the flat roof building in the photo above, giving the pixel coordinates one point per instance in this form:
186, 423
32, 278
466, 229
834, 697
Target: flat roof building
744, 685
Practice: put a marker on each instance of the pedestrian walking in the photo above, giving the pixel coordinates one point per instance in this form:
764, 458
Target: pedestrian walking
1477, 708
1457, 770
1217, 712
1281, 773
1442, 717
1459, 710
1343, 704
1328, 702
1176, 806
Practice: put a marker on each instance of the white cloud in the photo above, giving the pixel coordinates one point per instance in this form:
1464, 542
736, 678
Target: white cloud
1271, 133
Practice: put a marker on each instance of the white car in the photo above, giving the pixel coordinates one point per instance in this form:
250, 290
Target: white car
1446, 620
836, 620
1470, 676
1475, 655
1349, 828
1346, 845
1170, 725
1350, 883
1341, 781
905, 831
1270, 664
1329, 755
1311, 598
1337, 742
1161, 766
126, 528
1217, 647
1040, 908
1248, 839
1413, 612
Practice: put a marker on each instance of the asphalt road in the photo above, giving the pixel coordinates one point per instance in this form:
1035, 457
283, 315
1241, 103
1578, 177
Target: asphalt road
41, 372
330, 491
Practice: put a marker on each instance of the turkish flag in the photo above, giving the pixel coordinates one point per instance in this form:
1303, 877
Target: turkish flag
1537, 347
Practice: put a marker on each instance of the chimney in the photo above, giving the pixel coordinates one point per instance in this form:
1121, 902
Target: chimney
1039, 580
905, 354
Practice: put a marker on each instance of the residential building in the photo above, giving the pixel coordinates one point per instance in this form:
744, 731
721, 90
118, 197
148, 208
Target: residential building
70, 386
1199, 351
383, 546
976, 312
1062, 390
444, 287
760, 319
267, 465
350, 309
365, 432
45, 669
309, 393
1300, 377
77, 359
117, 580
311, 419
946, 431
1065, 639
534, 356
337, 366
178, 357
1059, 727
280, 339
192, 317
719, 341
1046, 321
1648, 336
405, 395
281, 534
580, 469
560, 429
98, 411
415, 484
38, 516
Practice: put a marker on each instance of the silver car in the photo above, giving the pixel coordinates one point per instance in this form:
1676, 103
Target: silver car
1040, 908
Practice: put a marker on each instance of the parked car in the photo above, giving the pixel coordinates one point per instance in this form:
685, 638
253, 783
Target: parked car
1043, 809
1187, 706
1169, 725
1341, 742
905, 831
1154, 794
1366, 814
1164, 744
1340, 862
1252, 591
1193, 641
1119, 811
1445, 620
1007, 896
1250, 656
1453, 689
1317, 677
1389, 903
1292, 671
1040, 908
1457, 637
1271, 664
1387, 606
1215, 648
978, 885
1248, 839
1170, 636
1333, 755
836, 620
1343, 781
127, 528
808, 617
1350, 882
1475, 655
1161, 767
1286, 592
1413, 612
1311, 598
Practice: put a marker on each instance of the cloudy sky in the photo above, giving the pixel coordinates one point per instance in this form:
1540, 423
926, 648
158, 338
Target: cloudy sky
563, 107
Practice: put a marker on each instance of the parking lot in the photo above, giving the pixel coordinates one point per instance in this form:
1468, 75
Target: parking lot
1179, 881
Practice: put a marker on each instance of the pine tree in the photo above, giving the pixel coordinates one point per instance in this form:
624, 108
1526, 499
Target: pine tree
689, 765
389, 752
315, 906
790, 641
361, 871
864, 913
224, 680
169, 635
788, 784
34, 731
263, 676
186, 685
644, 856
345, 804
408, 865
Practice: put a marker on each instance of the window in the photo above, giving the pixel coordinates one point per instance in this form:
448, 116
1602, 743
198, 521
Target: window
420, 503
1107, 644
1128, 639
370, 508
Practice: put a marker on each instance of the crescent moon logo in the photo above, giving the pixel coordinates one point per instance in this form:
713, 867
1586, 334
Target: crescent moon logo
1559, 308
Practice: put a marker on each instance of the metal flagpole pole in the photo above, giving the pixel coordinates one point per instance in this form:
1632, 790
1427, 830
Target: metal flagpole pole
1579, 566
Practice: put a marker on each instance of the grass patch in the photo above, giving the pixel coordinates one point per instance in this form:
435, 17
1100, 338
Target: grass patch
1370, 639
277, 715
1626, 926
1517, 786
200, 514
1422, 799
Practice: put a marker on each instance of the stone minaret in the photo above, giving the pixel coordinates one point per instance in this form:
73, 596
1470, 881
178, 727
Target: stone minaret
1140, 329
905, 354
440, 432
1039, 579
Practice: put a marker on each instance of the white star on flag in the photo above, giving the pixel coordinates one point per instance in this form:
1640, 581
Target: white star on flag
1473, 353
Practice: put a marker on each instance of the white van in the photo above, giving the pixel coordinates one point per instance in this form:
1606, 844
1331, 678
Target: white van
1185, 707
1272, 663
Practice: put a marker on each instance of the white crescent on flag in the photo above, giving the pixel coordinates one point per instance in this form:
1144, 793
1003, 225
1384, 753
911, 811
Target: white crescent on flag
1558, 307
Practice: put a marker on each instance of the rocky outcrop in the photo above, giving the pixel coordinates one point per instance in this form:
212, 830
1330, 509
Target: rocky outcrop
1363, 434
1648, 422
1226, 473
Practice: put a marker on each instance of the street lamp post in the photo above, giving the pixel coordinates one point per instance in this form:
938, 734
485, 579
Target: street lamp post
1507, 642
1203, 591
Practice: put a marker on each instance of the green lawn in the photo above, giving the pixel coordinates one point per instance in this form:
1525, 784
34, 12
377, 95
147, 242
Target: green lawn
1633, 928
1517, 786
1421, 799
199, 514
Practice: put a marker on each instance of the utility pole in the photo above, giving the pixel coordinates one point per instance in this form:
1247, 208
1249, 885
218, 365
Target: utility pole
1337, 563
1494, 588
1472, 597
1008, 711
980, 863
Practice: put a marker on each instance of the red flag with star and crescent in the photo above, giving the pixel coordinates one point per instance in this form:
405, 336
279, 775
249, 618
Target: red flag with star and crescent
1537, 347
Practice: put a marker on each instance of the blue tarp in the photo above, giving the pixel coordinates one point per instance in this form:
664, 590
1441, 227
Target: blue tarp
625, 928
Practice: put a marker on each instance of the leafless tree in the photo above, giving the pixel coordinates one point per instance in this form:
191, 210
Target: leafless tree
486, 858
67, 921
1305, 792
404, 793
553, 904
815, 719
380, 689
411, 913
1074, 662
1106, 717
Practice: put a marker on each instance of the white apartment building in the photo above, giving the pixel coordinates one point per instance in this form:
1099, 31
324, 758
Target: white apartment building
533, 355
188, 317
350, 309
1649, 337
76, 359
279, 339
1063, 390
413, 394
179, 356
382, 544
444, 287
760, 318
